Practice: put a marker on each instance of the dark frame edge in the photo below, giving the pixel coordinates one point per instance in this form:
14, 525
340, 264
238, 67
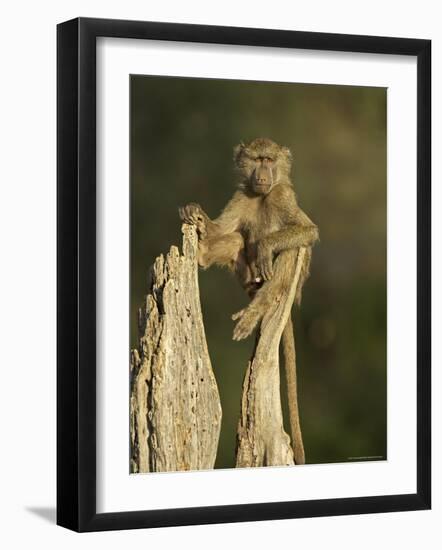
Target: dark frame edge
255, 512
67, 275
424, 273
250, 36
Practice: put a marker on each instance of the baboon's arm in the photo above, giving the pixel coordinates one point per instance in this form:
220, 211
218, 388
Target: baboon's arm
227, 222
220, 242
230, 218
297, 230
300, 232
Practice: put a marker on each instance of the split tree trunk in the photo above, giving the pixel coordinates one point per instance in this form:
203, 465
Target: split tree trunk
262, 440
175, 410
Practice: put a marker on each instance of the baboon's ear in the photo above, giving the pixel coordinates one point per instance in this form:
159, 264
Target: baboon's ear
237, 150
287, 154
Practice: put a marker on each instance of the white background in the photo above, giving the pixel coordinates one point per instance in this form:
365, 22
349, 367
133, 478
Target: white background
27, 290
116, 490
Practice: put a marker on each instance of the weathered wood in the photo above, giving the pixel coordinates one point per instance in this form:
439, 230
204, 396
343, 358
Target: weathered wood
175, 410
261, 439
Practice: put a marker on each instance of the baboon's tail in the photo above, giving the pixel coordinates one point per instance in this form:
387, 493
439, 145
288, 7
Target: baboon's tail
289, 353
304, 275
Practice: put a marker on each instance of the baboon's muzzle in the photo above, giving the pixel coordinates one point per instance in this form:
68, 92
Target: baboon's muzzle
263, 177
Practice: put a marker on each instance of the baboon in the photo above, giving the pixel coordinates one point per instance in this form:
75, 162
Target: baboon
255, 236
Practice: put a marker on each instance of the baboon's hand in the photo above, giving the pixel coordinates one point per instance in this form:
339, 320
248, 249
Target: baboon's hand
193, 214
264, 261
247, 320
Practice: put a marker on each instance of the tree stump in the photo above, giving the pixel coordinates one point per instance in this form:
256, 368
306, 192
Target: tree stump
261, 439
175, 410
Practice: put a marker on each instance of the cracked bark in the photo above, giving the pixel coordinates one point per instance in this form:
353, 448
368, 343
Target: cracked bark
261, 439
175, 410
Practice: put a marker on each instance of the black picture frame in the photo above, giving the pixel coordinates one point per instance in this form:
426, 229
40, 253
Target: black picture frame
76, 273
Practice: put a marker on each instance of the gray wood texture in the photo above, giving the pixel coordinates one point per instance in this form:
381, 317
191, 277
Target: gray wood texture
175, 410
261, 439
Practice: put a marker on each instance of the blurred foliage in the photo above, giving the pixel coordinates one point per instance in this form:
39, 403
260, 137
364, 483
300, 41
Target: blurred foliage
182, 134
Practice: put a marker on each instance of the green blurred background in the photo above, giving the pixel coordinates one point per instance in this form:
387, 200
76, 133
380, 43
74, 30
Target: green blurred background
182, 135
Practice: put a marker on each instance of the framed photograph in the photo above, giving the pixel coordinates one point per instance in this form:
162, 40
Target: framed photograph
222, 194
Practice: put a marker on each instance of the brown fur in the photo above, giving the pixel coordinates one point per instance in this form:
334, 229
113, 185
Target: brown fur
255, 237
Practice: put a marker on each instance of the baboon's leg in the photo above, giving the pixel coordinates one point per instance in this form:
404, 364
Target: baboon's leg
265, 296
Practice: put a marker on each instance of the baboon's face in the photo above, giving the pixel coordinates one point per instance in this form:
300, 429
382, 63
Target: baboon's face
262, 164
264, 175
